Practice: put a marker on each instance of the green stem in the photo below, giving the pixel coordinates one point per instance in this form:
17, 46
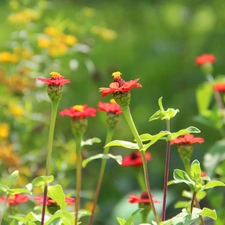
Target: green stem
129, 119
49, 153
198, 205
79, 138
166, 174
4, 208
193, 200
101, 174
140, 178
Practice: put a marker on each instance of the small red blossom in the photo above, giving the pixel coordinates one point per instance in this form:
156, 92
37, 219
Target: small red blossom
220, 87
141, 199
205, 58
134, 159
79, 111
119, 85
56, 80
111, 107
15, 199
187, 139
49, 201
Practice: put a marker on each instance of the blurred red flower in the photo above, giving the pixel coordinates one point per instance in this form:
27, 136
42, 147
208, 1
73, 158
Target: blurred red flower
49, 201
205, 58
187, 139
79, 111
220, 87
141, 199
109, 107
56, 79
15, 199
134, 159
119, 85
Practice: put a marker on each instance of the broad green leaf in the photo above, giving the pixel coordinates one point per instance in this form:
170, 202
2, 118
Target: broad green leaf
195, 170
56, 193
42, 181
120, 143
209, 213
154, 139
61, 217
83, 212
17, 191
118, 158
181, 204
189, 194
181, 176
188, 130
204, 96
121, 221
212, 184
90, 141
13, 179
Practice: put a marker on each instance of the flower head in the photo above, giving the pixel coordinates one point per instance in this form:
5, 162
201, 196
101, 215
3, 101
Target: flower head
4, 130
15, 199
187, 139
120, 89
220, 87
49, 201
111, 107
55, 80
55, 84
134, 159
79, 111
205, 58
141, 199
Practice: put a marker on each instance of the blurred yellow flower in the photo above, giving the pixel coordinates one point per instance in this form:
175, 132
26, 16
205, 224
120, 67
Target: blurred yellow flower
51, 31
16, 110
25, 16
70, 40
22, 53
4, 130
105, 34
43, 42
14, 5
8, 57
89, 205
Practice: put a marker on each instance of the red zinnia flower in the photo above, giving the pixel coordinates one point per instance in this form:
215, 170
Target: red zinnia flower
56, 79
134, 159
79, 111
15, 199
220, 87
187, 139
142, 199
49, 201
205, 58
111, 107
119, 85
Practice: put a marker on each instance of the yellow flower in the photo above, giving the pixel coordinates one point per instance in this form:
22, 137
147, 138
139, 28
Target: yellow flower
14, 5
43, 42
4, 130
51, 31
16, 110
108, 35
8, 57
70, 40
89, 205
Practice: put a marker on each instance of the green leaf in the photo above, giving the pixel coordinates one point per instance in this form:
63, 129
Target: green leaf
61, 217
154, 139
212, 184
120, 143
83, 212
3, 188
121, 221
160, 104
188, 130
196, 170
118, 158
181, 176
42, 181
209, 213
90, 141
17, 191
181, 204
204, 96
56, 193
13, 179
130, 220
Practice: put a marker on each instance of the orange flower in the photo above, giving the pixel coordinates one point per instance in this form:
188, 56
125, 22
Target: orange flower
205, 58
55, 80
187, 139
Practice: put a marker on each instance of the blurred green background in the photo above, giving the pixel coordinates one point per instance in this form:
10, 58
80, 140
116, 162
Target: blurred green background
157, 41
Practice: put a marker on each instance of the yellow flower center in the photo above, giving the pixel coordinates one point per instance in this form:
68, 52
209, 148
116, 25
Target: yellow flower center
116, 74
55, 75
112, 101
79, 108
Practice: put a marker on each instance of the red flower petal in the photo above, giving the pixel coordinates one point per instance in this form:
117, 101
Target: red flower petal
205, 58
135, 159
187, 139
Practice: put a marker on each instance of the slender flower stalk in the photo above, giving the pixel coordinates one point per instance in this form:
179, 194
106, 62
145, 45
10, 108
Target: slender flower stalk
129, 119
78, 139
166, 174
193, 201
49, 153
101, 174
